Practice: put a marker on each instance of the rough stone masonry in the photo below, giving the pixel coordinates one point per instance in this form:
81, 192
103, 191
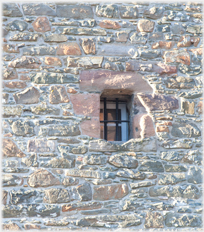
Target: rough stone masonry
58, 58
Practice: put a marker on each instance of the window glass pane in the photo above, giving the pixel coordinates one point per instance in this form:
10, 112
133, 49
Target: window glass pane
111, 133
101, 114
111, 113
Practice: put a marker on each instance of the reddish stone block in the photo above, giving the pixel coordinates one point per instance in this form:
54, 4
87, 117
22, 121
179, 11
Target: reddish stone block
10, 149
91, 127
86, 104
98, 80
162, 68
187, 41
71, 48
163, 45
54, 61
136, 125
197, 51
41, 24
147, 126
104, 193
15, 84
11, 226
108, 24
162, 129
158, 102
71, 90
177, 56
200, 107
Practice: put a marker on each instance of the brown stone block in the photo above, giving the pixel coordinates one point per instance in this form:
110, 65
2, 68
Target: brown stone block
53, 61
88, 46
10, 48
158, 102
91, 127
11, 226
162, 129
42, 178
136, 125
105, 193
108, 24
10, 149
71, 48
163, 45
200, 107
98, 80
15, 84
41, 24
177, 56
197, 51
187, 41
86, 104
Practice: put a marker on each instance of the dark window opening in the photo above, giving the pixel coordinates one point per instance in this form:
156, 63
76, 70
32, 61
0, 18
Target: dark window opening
114, 119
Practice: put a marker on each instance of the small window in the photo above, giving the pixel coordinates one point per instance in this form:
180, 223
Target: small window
114, 119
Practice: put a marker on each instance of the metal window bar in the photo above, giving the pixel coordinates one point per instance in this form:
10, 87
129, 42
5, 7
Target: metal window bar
105, 121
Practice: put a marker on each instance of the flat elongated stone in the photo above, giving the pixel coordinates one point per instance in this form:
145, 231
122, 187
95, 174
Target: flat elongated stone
83, 173
53, 61
140, 145
83, 31
158, 102
183, 130
10, 211
141, 184
175, 168
16, 25
85, 62
38, 9
70, 181
44, 211
167, 179
71, 48
81, 206
52, 78
39, 51
15, 84
55, 38
186, 220
151, 166
95, 159
86, 104
180, 83
178, 144
12, 111
61, 130
56, 195
109, 24
102, 146
24, 196
23, 128
11, 226
11, 180
109, 11
129, 12
68, 162
10, 149
116, 50
28, 96
25, 62
194, 29
185, 191
24, 36
170, 156
11, 10
42, 178
123, 161
74, 11
40, 145
154, 12
105, 193
128, 173
99, 80
41, 24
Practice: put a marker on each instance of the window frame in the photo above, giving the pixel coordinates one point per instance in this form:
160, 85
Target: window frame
123, 123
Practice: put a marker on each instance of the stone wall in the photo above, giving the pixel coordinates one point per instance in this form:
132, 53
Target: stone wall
58, 58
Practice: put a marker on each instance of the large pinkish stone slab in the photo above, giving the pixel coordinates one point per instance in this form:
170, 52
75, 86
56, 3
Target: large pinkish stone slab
98, 80
86, 104
158, 102
91, 127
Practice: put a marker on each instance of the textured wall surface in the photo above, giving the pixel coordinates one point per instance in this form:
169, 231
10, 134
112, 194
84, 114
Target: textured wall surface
58, 58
